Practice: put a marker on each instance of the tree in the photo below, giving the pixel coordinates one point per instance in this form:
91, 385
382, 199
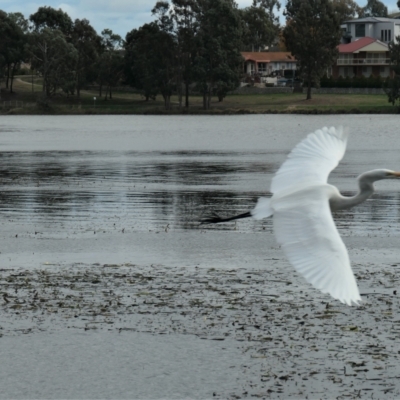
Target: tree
218, 61
150, 57
110, 64
19, 19
48, 17
312, 34
374, 8
87, 44
54, 58
260, 25
346, 9
186, 28
11, 47
392, 87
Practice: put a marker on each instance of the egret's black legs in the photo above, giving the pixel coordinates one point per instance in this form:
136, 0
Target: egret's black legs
216, 219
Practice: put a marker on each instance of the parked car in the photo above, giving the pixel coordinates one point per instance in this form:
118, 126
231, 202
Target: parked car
281, 82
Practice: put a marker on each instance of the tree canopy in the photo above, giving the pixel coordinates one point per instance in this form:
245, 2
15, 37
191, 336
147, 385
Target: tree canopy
346, 9
374, 8
260, 25
48, 17
312, 34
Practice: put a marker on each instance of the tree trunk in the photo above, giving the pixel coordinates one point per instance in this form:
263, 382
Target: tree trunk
110, 92
8, 75
309, 90
78, 87
180, 94
12, 77
187, 94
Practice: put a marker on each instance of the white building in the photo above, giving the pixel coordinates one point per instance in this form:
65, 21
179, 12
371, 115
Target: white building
383, 29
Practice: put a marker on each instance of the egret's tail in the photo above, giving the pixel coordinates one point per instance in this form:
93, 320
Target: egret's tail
216, 218
262, 209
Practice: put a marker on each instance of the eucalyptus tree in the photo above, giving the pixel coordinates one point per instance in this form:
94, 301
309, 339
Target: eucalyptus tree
185, 29
218, 41
51, 51
151, 61
110, 64
346, 9
19, 19
54, 58
87, 44
50, 18
311, 34
374, 8
260, 24
12, 46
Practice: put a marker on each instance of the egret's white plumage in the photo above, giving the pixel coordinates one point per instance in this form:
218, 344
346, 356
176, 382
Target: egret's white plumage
303, 222
301, 205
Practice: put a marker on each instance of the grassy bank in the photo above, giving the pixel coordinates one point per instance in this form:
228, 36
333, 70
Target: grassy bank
24, 101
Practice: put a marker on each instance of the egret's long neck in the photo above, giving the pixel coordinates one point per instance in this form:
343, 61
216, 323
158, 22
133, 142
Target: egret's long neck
366, 189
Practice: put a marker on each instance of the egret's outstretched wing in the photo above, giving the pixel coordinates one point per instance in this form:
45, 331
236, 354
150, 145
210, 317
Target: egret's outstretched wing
305, 229
311, 161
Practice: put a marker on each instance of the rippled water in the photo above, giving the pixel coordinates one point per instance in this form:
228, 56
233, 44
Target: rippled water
83, 174
93, 193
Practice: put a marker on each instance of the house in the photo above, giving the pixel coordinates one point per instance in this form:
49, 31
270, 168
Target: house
364, 50
383, 29
265, 63
364, 57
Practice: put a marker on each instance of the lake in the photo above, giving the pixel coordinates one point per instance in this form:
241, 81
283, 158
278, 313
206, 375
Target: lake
111, 285
99, 187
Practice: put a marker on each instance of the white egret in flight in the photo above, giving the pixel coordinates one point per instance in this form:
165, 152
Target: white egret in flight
301, 206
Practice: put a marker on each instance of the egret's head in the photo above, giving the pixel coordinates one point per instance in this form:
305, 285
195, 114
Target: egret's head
391, 174
378, 174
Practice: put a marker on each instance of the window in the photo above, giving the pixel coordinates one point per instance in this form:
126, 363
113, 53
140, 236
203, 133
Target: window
262, 67
360, 30
345, 58
366, 71
386, 35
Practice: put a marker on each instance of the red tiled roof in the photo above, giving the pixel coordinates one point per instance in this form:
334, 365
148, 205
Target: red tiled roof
263, 56
356, 45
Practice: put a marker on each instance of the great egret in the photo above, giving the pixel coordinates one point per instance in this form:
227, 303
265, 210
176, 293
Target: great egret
301, 206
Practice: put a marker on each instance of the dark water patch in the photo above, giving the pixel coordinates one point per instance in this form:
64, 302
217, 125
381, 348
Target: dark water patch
159, 188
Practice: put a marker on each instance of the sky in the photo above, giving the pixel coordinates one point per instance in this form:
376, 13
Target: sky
121, 16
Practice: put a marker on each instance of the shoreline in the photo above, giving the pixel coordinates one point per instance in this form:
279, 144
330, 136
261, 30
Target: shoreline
19, 111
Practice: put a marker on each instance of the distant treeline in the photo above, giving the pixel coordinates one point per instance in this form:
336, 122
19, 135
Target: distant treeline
190, 42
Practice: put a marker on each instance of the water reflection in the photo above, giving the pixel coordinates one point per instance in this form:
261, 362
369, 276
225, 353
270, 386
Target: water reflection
83, 190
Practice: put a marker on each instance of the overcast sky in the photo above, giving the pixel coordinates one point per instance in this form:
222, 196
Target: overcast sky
119, 15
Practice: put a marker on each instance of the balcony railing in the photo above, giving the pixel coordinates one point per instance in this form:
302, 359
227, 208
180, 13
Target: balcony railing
364, 61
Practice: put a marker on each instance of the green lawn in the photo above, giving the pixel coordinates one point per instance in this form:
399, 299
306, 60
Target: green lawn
130, 103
